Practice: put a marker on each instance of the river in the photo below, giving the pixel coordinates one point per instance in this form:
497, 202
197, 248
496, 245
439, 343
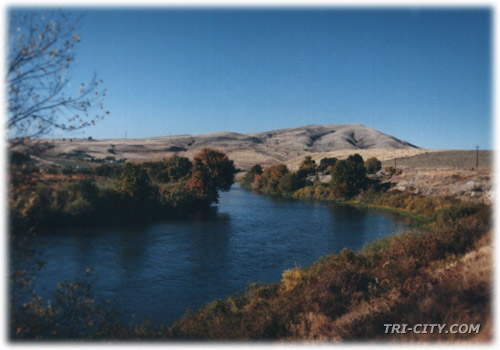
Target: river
156, 271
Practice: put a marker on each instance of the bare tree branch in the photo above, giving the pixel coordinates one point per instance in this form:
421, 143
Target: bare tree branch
41, 50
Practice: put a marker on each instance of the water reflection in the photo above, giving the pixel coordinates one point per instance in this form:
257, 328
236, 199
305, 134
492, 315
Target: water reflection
351, 225
159, 270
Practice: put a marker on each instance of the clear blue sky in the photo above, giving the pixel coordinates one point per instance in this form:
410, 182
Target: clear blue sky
423, 76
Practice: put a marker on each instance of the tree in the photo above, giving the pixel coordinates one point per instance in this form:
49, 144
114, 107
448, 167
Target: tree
373, 165
176, 167
270, 180
248, 179
348, 176
325, 163
134, 181
41, 50
256, 170
290, 182
212, 171
308, 167
171, 169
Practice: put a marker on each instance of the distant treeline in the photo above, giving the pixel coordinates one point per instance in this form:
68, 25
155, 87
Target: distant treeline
348, 178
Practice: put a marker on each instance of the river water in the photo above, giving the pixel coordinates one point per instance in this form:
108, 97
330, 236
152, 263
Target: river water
156, 271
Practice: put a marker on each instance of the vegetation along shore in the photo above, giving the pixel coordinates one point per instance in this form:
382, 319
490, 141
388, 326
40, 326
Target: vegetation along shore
438, 272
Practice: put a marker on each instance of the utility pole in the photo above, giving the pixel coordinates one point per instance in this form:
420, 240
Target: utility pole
395, 163
477, 157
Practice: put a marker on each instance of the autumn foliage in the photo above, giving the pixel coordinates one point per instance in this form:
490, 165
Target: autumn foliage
118, 194
212, 171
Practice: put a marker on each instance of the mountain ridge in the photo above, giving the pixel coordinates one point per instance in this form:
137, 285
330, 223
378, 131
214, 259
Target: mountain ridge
266, 148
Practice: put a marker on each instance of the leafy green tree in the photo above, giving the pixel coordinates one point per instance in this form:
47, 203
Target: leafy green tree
177, 167
325, 163
308, 167
171, 169
348, 176
135, 182
373, 165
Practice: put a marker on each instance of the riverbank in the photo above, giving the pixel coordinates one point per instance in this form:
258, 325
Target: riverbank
438, 273
424, 277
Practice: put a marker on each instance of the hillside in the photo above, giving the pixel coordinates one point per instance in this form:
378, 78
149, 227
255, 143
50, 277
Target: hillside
266, 148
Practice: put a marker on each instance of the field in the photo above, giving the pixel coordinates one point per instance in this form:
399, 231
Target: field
453, 159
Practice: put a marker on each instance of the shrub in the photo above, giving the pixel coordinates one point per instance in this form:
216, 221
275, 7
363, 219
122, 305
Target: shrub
391, 171
71, 313
29, 169
18, 158
83, 170
373, 165
79, 208
51, 169
87, 189
104, 170
67, 170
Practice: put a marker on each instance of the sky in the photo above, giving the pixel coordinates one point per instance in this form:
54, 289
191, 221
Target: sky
423, 76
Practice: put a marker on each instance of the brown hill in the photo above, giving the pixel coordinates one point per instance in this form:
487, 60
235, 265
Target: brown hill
266, 148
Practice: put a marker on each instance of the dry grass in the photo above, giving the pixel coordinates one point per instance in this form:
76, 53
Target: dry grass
464, 184
266, 148
447, 300
451, 159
